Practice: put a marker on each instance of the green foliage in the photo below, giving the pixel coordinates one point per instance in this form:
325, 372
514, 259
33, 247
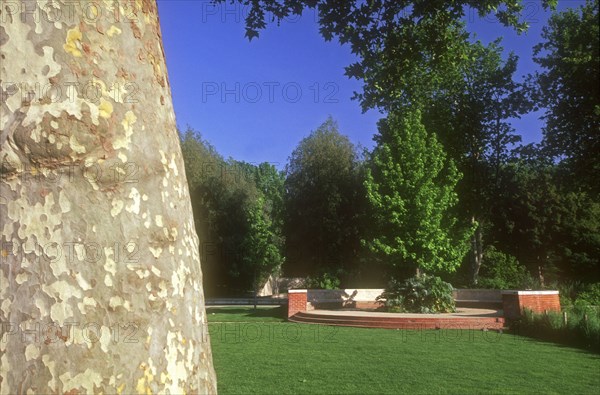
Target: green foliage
238, 210
419, 294
540, 221
568, 89
401, 46
568, 291
323, 281
574, 293
582, 328
323, 203
410, 187
590, 296
471, 107
503, 271
262, 245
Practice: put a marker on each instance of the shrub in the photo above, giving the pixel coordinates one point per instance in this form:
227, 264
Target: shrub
419, 294
589, 297
503, 271
582, 328
577, 293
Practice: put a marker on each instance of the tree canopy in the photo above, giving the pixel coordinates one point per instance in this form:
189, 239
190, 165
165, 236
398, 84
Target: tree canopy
568, 88
423, 37
410, 185
323, 202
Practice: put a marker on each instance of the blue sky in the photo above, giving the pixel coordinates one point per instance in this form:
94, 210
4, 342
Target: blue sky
254, 101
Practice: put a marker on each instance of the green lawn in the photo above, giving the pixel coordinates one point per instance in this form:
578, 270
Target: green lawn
259, 353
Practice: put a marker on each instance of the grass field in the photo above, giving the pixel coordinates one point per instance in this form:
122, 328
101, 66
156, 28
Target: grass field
257, 352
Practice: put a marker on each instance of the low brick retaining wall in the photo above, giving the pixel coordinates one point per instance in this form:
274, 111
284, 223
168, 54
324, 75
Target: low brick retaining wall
514, 302
366, 298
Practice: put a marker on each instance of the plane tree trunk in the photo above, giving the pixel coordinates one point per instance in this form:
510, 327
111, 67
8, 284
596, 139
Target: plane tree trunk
100, 280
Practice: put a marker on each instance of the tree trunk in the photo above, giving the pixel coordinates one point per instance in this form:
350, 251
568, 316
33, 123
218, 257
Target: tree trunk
100, 281
541, 276
476, 252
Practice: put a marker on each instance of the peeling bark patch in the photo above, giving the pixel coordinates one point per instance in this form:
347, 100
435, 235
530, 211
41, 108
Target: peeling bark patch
38, 222
3, 36
75, 146
134, 207
109, 264
156, 252
86, 380
64, 203
72, 43
62, 290
86, 302
113, 31
117, 207
105, 109
32, 352
60, 311
127, 123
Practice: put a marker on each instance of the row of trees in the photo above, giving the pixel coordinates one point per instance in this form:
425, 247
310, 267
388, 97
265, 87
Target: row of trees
447, 180
238, 210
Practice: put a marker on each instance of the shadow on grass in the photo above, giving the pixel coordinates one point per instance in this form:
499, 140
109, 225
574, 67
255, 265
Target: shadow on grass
560, 338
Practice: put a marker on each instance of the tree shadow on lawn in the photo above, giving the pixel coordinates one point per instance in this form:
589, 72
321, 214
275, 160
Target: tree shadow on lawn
249, 312
560, 340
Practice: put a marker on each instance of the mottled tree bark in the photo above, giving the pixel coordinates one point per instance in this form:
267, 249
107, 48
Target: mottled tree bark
100, 281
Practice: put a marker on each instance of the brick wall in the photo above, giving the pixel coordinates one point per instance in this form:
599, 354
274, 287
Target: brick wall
296, 301
538, 301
